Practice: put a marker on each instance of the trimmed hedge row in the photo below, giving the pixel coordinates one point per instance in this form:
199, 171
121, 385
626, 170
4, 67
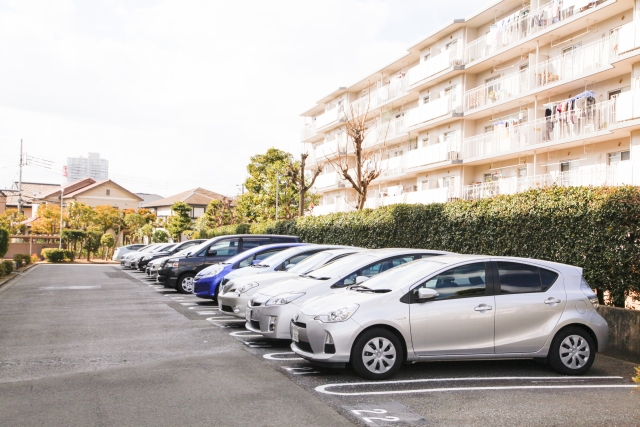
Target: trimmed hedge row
58, 255
22, 259
6, 267
596, 228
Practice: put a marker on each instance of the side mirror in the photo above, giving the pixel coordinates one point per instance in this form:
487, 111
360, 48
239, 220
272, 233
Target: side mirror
212, 253
288, 266
255, 261
361, 279
425, 294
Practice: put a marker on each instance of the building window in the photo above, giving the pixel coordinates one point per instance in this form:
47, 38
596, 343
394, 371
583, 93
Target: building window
522, 172
488, 177
413, 144
614, 93
488, 129
492, 86
448, 136
108, 192
620, 156
448, 181
425, 99
425, 184
569, 166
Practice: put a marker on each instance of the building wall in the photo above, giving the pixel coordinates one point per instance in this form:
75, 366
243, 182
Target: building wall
116, 197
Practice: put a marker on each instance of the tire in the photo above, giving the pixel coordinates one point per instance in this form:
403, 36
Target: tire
377, 354
184, 285
572, 351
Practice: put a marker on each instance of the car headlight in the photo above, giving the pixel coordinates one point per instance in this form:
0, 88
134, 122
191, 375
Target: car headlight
339, 315
146, 258
244, 288
285, 298
210, 273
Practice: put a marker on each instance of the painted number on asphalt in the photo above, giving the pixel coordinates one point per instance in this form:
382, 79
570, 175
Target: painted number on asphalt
369, 419
386, 414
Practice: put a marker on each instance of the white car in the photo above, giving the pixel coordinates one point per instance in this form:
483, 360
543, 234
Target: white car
123, 250
455, 307
270, 311
237, 291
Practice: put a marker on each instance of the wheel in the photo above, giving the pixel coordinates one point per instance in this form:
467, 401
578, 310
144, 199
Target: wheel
185, 283
377, 354
572, 352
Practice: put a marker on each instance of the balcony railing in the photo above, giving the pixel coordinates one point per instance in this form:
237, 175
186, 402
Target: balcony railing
562, 67
328, 117
449, 150
396, 88
620, 173
520, 26
563, 126
436, 195
308, 131
331, 149
432, 66
438, 108
337, 206
330, 179
367, 103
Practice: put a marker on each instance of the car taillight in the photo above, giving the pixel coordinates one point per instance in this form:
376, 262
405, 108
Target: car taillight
586, 289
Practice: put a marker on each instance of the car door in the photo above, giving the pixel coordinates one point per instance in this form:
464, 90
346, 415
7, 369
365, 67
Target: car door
461, 318
529, 303
221, 251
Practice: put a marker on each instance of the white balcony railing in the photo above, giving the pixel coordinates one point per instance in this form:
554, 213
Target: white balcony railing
331, 149
449, 150
308, 131
329, 179
620, 173
328, 117
562, 67
563, 126
338, 206
396, 88
434, 109
393, 166
432, 66
520, 25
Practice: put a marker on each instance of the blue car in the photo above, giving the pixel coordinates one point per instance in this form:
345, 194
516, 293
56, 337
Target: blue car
206, 282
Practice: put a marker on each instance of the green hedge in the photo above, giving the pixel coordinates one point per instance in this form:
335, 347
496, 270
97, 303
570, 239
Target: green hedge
22, 259
6, 267
597, 228
58, 255
4, 242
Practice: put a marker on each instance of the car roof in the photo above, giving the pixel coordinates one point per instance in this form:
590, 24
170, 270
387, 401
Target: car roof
457, 258
394, 251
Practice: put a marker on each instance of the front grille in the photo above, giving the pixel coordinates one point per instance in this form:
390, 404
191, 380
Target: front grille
255, 324
256, 304
304, 346
226, 308
300, 324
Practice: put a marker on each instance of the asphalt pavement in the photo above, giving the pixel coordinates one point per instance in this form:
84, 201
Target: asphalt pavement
97, 345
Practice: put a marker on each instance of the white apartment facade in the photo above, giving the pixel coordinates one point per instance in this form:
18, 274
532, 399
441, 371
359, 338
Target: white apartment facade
91, 166
514, 97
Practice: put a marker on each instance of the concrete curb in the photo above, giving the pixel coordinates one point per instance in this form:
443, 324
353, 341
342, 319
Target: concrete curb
13, 275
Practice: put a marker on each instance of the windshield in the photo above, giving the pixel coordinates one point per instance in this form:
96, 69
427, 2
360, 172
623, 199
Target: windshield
279, 257
402, 275
198, 248
314, 261
340, 267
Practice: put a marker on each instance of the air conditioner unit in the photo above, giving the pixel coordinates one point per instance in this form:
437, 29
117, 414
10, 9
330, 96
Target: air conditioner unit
453, 155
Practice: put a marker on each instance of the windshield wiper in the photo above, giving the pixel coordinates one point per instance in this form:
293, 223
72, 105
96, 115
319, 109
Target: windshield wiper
260, 265
363, 288
315, 278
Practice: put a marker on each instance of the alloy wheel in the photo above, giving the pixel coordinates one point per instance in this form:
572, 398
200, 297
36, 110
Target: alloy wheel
187, 284
574, 351
379, 355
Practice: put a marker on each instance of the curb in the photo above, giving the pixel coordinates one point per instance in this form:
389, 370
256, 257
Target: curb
13, 275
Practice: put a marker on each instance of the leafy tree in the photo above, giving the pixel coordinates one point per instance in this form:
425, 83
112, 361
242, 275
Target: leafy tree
304, 182
11, 220
146, 231
48, 221
107, 241
218, 213
134, 223
80, 216
160, 236
4, 242
106, 218
180, 220
259, 202
92, 243
74, 240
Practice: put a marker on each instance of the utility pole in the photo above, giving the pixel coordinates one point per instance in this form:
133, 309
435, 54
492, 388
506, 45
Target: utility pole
277, 191
64, 174
20, 182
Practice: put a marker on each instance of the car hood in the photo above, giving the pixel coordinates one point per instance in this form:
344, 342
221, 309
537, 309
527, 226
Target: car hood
298, 284
336, 299
248, 271
263, 280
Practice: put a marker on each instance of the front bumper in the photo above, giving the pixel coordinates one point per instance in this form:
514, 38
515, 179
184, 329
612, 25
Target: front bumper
206, 287
312, 337
271, 321
226, 303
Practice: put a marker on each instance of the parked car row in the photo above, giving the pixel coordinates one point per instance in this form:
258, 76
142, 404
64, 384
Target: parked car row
377, 309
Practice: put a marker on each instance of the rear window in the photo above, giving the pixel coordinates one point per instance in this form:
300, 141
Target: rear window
516, 278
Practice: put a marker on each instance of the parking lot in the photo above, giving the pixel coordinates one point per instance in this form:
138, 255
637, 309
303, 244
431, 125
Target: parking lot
194, 334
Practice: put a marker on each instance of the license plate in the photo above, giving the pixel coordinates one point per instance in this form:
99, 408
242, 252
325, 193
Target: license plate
294, 333
248, 315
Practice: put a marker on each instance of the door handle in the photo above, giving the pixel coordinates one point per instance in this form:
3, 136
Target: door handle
483, 307
552, 300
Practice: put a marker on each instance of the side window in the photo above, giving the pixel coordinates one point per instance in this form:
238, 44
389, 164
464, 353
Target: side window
347, 280
460, 282
225, 248
267, 254
516, 278
387, 264
296, 259
246, 262
254, 243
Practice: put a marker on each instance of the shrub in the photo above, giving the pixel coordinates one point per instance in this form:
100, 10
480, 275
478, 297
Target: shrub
22, 259
6, 267
636, 379
160, 236
57, 255
34, 258
4, 242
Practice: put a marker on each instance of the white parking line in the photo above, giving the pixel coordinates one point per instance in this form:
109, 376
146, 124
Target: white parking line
224, 319
205, 313
188, 303
299, 371
244, 334
323, 388
271, 356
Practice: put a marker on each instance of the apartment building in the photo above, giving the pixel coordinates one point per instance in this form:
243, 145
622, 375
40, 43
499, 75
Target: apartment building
91, 166
520, 95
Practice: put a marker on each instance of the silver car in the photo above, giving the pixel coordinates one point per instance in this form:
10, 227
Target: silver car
270, 311
455, 307
236, 293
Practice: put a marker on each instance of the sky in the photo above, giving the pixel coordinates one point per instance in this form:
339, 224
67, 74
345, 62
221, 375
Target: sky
178, 94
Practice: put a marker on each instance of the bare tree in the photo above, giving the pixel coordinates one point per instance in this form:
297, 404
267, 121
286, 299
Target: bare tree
368, 159
298, 176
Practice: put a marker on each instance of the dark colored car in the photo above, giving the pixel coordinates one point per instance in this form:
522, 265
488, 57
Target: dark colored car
141, 263
178, 273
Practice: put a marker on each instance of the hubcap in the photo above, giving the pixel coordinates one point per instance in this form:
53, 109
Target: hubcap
379, 355
187, 284
574, 352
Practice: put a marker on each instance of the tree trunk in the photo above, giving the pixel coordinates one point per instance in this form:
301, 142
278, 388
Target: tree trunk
600, 294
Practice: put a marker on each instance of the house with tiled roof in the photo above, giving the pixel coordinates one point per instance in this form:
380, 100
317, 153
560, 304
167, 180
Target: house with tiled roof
197, 198
30, 191
94, 193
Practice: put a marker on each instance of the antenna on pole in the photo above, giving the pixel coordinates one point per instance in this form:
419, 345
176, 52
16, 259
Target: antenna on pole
20, 182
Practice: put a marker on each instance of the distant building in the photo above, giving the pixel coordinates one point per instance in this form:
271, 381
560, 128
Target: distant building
30, 191
148, 198
87, 167
93, 193
198, 199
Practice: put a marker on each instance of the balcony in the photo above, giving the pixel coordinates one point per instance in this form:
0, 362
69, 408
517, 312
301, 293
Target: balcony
394, 89
329, 117
393, 166
434, 109
338, 206
565, 126
308, 131
519, 26
331, 149
444, 151
432, 66
435, 195
330, 179
621, 173
560, 68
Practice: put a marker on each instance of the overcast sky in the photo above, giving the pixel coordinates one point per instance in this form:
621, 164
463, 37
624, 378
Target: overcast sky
179, 94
